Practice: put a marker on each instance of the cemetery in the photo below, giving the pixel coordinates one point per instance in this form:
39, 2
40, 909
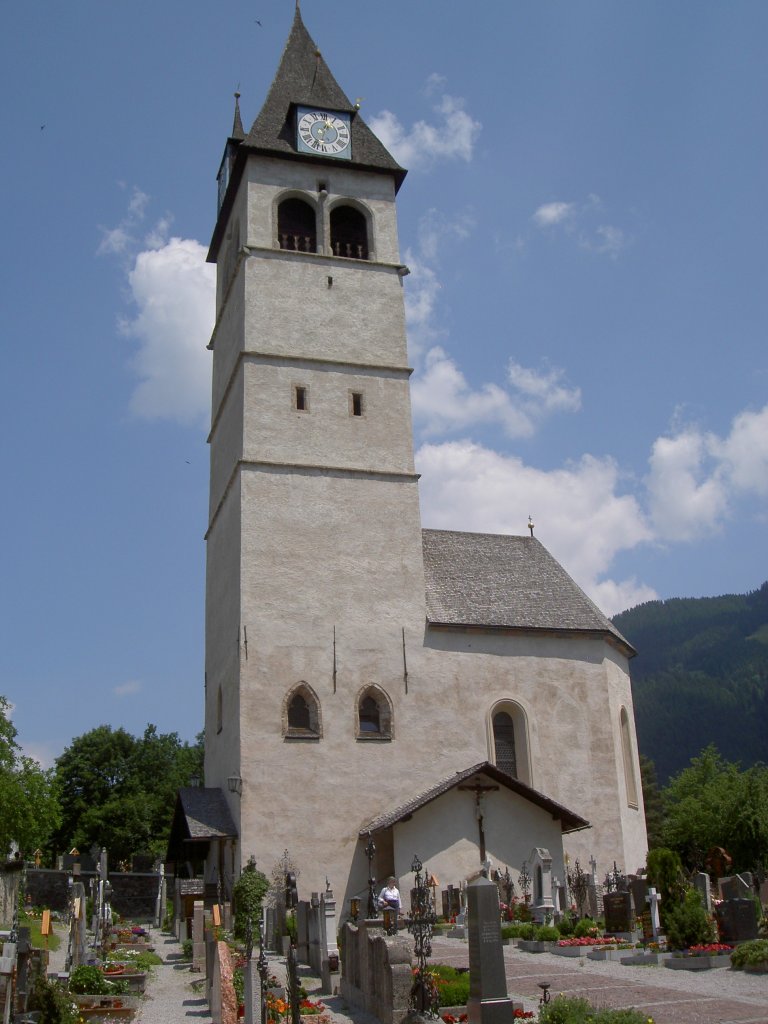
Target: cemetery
444, 952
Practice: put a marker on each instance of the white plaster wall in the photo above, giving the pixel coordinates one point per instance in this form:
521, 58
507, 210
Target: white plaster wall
444, 835
291, 310
378, 441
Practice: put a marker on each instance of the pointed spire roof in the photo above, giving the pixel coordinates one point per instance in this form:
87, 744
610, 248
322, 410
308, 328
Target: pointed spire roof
238, 132
304, 78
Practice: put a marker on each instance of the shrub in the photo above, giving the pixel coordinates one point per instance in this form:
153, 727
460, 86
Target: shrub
547, 933
52, 1003
752, 953
688, 923
585, 928
566, 925
575, 1010
89, 980
526, 930
186, 949
248, 892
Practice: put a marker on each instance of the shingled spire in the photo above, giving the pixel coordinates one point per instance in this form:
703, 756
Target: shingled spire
304, 78
238, 132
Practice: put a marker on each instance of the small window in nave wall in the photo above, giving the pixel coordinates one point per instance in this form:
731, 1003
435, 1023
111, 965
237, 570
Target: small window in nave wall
374, 715
301, 714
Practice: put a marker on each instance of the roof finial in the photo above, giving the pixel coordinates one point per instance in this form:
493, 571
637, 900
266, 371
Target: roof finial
530, 525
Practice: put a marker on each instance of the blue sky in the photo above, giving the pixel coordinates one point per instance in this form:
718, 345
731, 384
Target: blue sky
584, 219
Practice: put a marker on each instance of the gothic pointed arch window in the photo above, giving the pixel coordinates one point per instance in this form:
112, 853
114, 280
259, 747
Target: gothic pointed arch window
628, 758
508, 740
301, 714
349, 233
296, 225
374, 714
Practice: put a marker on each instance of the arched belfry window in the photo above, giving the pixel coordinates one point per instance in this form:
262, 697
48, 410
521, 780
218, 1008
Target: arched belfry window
628, 757
508, 740
504, 742
296, 226
349, 233
374, 714
301, 714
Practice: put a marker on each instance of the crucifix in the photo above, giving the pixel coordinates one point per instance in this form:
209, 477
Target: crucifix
480, 792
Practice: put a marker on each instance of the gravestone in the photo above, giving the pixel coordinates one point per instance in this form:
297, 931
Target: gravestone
639, 889
617, 907
701, 884
737, 920
198, 936
451, 902
541, 870
653, 900
488, 1001
734, 887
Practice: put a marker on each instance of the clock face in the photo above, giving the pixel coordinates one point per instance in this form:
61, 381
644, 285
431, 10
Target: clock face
324, 133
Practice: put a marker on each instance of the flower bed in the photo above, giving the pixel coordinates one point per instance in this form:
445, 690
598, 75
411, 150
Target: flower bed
698, 962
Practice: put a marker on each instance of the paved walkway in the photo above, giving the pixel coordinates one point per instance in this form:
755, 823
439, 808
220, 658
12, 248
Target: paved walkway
719, 996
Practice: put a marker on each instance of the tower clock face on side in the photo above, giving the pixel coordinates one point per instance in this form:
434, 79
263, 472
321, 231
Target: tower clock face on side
323, 133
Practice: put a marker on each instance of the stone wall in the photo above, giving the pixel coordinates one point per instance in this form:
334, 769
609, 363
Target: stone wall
134, 895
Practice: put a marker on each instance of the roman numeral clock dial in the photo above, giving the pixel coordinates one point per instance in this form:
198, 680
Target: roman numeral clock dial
323, 133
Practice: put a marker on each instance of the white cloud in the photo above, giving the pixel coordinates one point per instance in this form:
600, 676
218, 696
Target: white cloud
451, 137
695, 477
605, 239
578, 511
174, 290
581, 219
127, 689
444, 403
543, 389
744, 453
553, 213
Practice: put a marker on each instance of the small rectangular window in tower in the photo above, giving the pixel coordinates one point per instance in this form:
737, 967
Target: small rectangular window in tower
357, 403
301, 398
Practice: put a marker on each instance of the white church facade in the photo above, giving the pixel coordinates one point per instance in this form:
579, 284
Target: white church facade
448, 694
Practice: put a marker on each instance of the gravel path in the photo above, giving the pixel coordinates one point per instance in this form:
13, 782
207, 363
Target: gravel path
174, 994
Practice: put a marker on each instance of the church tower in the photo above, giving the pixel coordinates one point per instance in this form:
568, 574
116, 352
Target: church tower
314, 539
446, 694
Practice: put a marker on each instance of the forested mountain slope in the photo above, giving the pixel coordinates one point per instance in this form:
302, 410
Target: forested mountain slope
700, 677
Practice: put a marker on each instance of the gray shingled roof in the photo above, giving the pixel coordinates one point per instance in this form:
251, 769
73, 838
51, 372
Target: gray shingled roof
205, 814
500, 581
569, 820
303, 77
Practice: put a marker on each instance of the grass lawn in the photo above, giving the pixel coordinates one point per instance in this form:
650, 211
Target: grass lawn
33, 923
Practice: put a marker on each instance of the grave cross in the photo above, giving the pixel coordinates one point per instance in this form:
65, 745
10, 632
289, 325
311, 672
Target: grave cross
480, 791
653, 900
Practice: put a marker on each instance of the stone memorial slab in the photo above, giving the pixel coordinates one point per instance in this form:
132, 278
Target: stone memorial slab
737, 920
617, 907
488, 1001
734, 887
639, 889
701, 884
